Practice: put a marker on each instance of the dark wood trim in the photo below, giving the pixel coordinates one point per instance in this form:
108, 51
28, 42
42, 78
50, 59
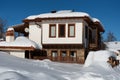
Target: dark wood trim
59, 25
62, 46
69, 30
83, 33
51, 25
11, 48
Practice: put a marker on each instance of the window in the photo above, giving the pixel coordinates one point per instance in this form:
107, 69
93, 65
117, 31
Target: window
72, 53
73, 56
61, 30
52, 30
71, 30
64, 54
54, 54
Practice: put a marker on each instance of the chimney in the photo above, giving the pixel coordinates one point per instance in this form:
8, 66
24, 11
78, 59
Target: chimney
53, 11
10, 35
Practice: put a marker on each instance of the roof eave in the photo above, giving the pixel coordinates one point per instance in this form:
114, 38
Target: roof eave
16, 48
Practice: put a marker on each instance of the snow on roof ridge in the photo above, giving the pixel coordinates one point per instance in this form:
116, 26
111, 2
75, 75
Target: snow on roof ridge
10, 29
64, 11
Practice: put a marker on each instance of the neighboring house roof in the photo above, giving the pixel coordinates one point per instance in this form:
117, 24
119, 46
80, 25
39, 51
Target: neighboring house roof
21, 43
113, 46
64, 14
20, 27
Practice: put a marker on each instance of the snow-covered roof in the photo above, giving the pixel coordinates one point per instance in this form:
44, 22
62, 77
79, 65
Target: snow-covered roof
62, 13
10, 29
20, 42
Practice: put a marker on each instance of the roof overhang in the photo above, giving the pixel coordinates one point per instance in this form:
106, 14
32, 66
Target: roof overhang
99, 26
86, 18
20, 27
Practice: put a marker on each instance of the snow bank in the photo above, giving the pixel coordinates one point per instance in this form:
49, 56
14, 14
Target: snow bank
115, 45
98, 57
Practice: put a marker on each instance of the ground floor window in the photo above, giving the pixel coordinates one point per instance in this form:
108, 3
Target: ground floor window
73, 55
54, 55
64, 55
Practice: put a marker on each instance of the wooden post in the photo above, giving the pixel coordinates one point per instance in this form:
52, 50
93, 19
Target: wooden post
59, 55
29, 55
68, 56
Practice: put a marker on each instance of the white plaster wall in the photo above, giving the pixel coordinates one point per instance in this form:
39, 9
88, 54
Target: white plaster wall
20, 54
35, 33
9, 38
66, 40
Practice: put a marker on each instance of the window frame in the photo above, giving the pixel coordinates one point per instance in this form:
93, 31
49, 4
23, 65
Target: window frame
69, 25
50, 32
59, 30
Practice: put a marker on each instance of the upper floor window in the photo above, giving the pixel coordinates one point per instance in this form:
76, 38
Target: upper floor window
61, 30
52, 30
71, 30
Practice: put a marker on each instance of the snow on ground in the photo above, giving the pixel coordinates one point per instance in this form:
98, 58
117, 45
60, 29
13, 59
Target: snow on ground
95, 68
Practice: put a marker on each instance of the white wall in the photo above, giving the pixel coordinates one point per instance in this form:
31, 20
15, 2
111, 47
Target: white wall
35, 33
66, 40
20, 54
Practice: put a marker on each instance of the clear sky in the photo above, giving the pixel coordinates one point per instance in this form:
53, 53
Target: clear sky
107, 11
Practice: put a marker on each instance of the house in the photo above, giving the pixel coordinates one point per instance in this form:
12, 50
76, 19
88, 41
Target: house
63, 36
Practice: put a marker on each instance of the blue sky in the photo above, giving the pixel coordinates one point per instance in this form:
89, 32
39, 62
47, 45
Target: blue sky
107, 11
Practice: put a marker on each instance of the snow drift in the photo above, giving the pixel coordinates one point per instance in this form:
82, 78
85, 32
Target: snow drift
98, 57
96, 68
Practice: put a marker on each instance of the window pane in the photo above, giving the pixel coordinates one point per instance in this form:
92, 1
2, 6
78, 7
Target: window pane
61, 30
71, 32
64, 54
52, 31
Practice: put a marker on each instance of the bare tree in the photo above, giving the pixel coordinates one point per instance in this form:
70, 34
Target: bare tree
110, 37
2, 25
